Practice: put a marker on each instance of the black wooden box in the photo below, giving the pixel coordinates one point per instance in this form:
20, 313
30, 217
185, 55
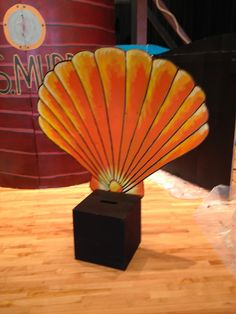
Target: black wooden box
107, 228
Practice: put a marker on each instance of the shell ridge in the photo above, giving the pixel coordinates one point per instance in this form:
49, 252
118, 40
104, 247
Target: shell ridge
57, 110
67, 112
117, 177
78, 61
107, 118
139, 162
71, 120
130, 76
166, 162
94, 119
62, 131
180, 138
59, 102
173, 137
61, 108
92, 113
80, 119
137, 189
151, 145
125, 175
138, 121
140, 110
98, 160
145, 148
112, 70
71, 131
71, 150
96, 184
142, 176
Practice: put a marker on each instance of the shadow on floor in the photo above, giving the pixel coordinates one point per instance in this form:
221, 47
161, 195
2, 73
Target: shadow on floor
152, 260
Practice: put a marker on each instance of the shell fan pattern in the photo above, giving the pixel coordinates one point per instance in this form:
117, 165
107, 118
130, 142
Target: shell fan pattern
122, 115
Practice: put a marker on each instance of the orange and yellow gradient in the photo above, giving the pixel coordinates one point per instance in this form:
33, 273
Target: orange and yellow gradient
122, 115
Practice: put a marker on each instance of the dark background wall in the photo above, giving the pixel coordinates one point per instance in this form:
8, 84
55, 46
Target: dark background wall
204, 18
199, 18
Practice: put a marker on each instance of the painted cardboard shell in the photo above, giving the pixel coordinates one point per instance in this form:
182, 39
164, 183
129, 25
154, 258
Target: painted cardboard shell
122, 115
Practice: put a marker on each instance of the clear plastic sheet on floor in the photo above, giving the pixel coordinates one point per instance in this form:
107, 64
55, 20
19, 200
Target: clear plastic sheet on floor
217, 217
178, 187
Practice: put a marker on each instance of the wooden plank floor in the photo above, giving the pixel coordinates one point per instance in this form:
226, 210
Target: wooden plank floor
175, 270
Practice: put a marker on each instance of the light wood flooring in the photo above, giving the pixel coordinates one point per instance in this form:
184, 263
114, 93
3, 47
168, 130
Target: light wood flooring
175, 270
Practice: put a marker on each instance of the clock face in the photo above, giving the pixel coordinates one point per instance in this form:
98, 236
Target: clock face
24, 27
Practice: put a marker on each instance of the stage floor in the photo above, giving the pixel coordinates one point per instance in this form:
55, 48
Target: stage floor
175, 270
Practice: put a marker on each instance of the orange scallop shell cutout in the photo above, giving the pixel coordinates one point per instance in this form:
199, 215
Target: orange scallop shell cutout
122, 115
